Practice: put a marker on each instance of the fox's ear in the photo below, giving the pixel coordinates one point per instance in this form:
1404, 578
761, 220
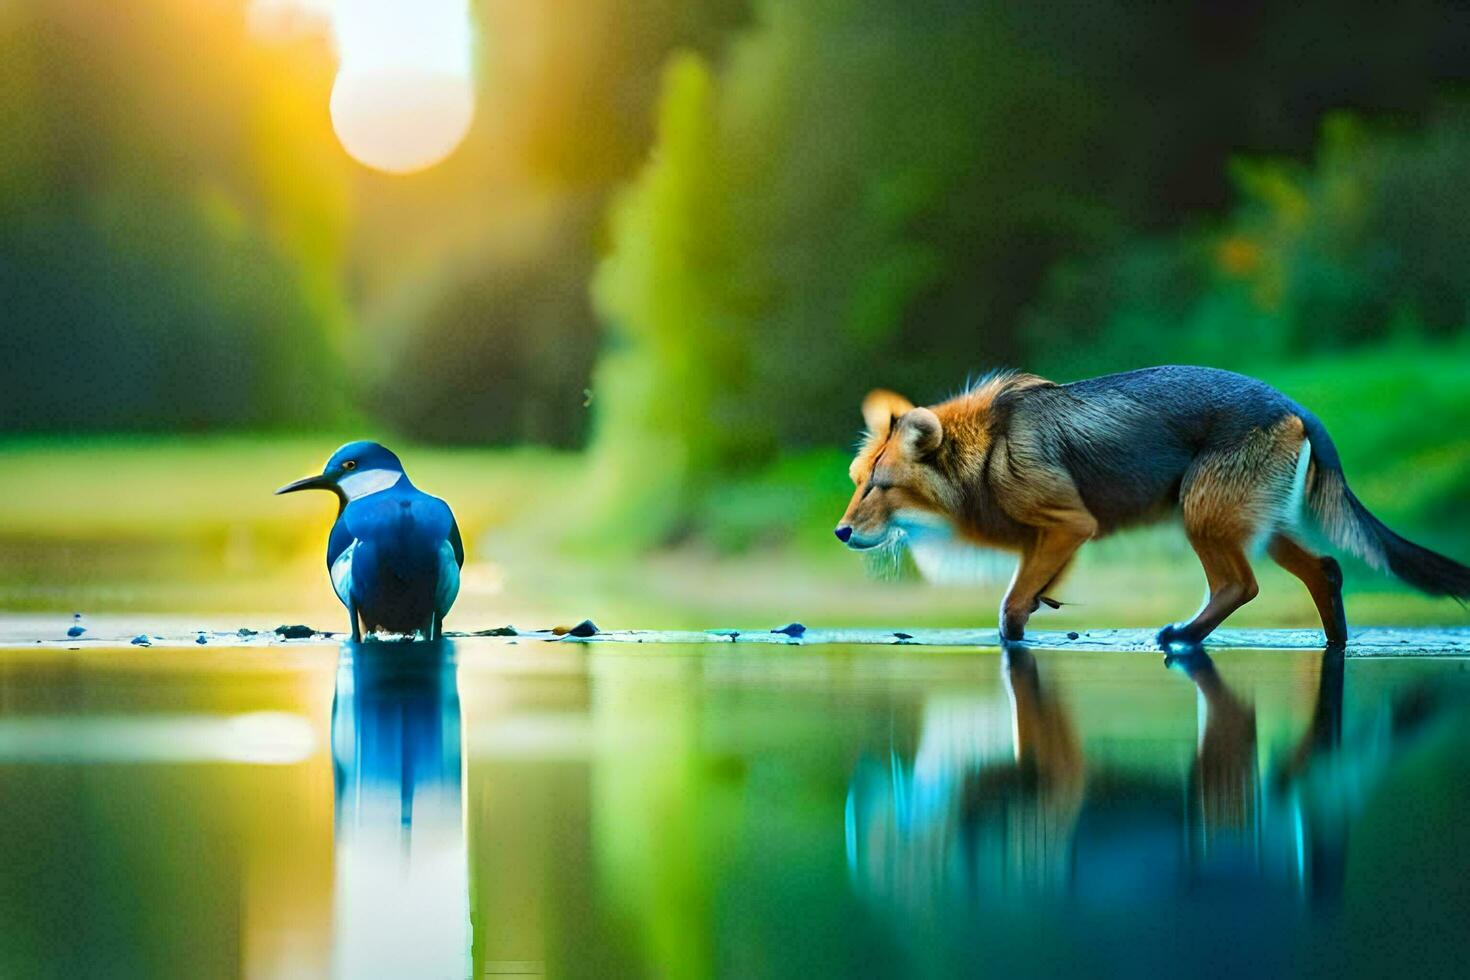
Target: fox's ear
880, 409
921, 431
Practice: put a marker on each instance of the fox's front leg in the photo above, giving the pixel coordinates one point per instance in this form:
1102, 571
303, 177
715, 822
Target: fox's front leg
1040, 564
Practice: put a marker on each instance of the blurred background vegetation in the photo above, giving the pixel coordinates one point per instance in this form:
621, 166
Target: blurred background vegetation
629, 319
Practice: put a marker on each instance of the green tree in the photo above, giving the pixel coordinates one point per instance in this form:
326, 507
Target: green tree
658, 434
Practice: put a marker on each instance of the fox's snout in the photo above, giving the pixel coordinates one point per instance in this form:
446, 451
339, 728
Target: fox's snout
843, 532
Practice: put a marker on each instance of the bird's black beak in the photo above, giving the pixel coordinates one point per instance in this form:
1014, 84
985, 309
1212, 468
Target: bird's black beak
319, 482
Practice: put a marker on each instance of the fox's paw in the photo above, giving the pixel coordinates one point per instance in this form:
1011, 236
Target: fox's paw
1012, 628
1175, 639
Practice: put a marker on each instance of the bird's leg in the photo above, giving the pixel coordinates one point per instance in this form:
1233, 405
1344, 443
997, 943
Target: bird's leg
430, 632
356, 625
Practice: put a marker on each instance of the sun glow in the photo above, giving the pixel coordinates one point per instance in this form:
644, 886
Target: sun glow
404, 95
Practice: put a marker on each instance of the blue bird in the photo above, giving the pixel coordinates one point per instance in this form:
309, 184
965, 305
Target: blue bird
395, 552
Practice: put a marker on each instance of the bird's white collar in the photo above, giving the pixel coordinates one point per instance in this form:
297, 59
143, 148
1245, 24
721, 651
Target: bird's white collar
361, 484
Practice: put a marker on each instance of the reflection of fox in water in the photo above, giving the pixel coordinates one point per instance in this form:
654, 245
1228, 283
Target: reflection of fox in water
1045, 817
1022, 464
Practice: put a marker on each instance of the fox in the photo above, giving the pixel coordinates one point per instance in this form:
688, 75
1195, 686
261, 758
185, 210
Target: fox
1028, 466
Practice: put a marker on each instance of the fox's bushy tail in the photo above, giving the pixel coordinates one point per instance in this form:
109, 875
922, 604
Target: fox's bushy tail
1350, 525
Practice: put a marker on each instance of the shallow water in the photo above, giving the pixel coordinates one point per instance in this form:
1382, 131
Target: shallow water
489, 808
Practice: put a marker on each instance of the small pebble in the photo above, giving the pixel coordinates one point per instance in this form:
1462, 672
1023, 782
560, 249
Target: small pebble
297, 632
497, 631
77, 629
584, 629
141, 640
791, 629
904, 636
1071, 634
242, 631
201, 640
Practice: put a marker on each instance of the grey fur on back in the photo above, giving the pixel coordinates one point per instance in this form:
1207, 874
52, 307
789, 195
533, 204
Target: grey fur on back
1128, 439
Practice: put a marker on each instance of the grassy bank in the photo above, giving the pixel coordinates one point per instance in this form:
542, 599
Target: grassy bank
191, 526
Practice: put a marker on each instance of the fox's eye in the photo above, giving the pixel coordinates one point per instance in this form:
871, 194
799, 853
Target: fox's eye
351, 464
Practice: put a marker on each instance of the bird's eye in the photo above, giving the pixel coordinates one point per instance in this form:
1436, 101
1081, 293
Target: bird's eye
351, 464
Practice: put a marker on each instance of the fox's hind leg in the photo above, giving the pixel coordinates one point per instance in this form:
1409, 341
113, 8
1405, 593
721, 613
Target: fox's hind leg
1322, 577
1231, 497
1232, 584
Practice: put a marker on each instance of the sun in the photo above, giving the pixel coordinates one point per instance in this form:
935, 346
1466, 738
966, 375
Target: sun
404, 96
401, 121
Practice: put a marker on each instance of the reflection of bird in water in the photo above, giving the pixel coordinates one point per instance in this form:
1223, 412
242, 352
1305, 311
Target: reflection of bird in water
402, 892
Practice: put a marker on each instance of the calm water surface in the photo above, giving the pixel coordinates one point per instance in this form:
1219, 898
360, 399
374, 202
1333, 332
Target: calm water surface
503, 809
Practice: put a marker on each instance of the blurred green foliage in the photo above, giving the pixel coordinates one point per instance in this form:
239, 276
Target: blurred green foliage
690, 235
662, 376
154, 272
1366, 245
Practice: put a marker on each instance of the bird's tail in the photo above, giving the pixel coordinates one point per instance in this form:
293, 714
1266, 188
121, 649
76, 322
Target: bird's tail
1350, 525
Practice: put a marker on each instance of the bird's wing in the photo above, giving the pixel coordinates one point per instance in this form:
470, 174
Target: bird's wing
340, 546
339, 541
451, 563
341, 571
455, 541
448, 588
